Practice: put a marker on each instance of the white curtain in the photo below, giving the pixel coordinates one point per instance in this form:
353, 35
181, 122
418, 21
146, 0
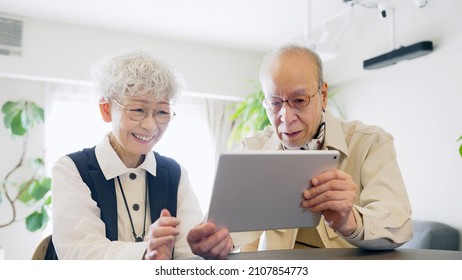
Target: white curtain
218, 112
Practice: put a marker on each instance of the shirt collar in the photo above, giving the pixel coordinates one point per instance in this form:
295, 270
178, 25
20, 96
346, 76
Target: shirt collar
112, 166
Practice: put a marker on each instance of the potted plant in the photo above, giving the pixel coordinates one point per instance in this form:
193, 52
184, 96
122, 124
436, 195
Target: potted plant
25, 183
248, 116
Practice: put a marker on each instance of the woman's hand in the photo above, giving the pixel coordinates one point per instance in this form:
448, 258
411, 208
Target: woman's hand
161, 237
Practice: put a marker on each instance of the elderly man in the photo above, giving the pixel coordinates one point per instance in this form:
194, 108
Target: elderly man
364, 201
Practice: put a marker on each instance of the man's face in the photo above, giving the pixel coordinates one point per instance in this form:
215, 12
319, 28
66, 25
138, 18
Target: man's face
295, 75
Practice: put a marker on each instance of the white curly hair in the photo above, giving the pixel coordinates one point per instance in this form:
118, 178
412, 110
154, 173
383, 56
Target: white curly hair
135, 73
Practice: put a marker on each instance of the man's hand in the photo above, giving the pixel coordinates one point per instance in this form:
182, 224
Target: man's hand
161, 237
208, 242
333, 193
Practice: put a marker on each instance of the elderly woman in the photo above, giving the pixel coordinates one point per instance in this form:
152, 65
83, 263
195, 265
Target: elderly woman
119, 199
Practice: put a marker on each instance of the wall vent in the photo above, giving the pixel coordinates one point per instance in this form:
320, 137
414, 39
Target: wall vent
10, 36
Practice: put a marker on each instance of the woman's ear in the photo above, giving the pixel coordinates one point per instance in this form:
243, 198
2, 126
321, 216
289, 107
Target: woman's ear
105, 110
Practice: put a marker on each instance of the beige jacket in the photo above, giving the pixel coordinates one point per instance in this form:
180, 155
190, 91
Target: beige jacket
368, 155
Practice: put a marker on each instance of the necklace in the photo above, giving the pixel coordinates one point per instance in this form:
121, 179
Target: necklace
137, 238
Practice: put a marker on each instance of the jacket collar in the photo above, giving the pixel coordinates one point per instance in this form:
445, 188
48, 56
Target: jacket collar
335, 139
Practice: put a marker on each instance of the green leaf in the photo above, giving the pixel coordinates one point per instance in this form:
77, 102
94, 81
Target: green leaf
11, 109
460, 150
36, 113
12, 106
248, 116
20, 116
47, 201
46, 182
37, 220
37, 163
8, 118
26, 196
16, 124
39, 189
7, 107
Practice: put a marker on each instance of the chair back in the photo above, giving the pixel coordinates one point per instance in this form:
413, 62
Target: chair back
45, 250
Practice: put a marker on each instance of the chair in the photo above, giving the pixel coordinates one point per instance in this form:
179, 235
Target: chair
45, 250
433, 235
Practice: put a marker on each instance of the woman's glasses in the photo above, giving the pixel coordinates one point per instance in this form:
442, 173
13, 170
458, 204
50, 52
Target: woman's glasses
138, 113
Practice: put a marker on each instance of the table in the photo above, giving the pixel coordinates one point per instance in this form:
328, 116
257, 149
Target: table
348, 254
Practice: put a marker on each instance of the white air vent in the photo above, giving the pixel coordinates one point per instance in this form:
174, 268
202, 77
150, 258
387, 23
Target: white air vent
10, 36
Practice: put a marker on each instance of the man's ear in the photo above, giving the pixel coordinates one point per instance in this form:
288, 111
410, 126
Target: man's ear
105, 110
324, 95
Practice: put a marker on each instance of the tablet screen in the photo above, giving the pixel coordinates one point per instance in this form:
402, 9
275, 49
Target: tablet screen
261, 190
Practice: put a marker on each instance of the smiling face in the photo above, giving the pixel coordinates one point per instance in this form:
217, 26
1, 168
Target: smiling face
291, 75
131, 139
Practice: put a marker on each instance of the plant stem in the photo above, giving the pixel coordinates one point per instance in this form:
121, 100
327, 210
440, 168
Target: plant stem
4, 185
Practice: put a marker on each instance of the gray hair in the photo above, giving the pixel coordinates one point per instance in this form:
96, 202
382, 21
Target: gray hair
274, 55
135, 73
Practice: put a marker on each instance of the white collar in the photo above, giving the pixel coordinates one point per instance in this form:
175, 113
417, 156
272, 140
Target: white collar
112, 166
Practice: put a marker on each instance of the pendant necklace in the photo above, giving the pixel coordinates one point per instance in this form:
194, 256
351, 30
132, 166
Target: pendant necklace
137, 238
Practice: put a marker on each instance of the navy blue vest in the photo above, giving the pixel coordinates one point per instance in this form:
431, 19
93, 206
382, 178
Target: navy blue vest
163, 190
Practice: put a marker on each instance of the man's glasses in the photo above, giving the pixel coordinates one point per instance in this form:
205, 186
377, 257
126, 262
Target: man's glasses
275, 104
139, 113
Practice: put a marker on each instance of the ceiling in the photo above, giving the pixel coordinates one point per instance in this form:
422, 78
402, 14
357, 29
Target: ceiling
255, 25
345, 32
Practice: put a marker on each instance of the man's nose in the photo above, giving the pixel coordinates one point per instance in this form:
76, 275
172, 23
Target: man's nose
287, 113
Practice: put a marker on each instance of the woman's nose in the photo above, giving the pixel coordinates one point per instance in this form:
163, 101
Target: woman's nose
149, 123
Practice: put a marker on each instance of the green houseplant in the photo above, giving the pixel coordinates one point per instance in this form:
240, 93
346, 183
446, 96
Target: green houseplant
248, 116
32, 188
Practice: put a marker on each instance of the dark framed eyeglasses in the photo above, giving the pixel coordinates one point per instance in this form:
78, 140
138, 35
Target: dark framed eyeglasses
275, 104
138, 113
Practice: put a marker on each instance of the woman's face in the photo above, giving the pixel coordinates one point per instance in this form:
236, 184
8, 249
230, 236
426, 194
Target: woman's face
134, 134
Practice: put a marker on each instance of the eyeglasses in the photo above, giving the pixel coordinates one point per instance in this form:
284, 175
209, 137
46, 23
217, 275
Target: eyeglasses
275, 104
139, 113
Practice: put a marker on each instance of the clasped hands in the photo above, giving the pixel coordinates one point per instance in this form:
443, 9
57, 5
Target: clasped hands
204, 239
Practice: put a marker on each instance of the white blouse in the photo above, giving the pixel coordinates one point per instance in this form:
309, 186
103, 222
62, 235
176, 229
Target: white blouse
79, 232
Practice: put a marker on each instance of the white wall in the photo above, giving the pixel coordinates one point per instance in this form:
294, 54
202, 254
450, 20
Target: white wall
55, 50
419, 102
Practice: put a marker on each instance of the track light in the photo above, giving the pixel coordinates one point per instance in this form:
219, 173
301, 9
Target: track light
420, 3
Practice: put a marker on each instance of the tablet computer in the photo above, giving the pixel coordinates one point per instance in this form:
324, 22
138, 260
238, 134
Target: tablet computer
262, 190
